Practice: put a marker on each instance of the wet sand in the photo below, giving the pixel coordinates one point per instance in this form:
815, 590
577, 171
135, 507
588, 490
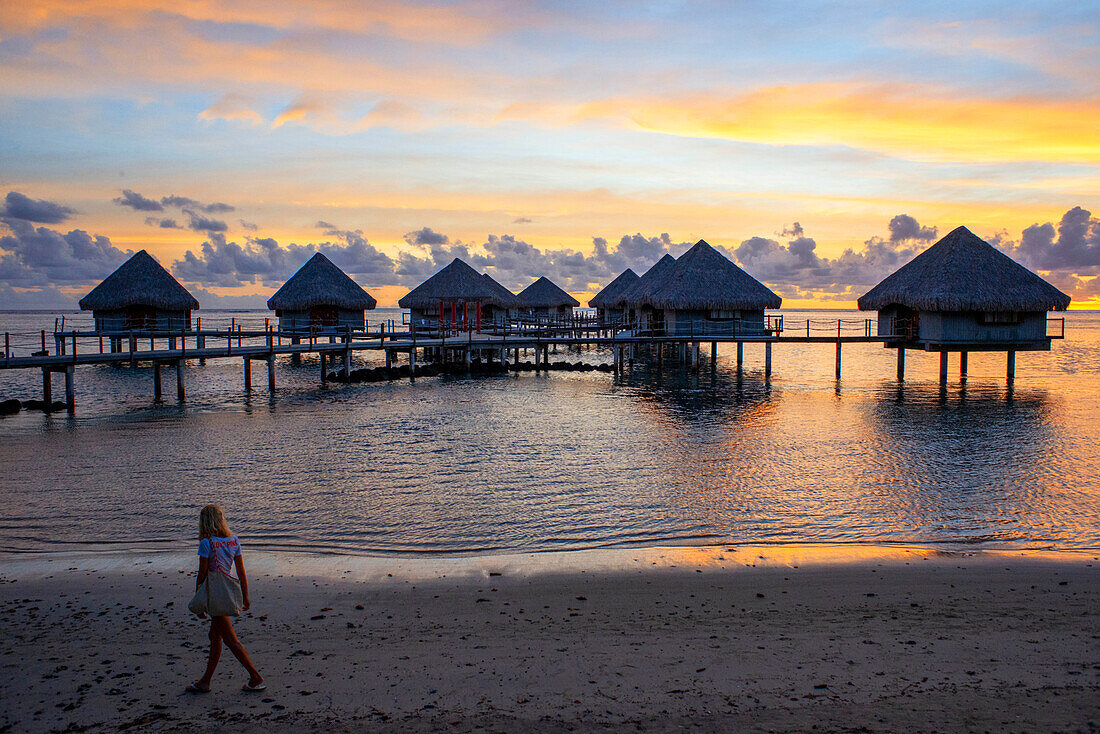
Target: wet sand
782, 638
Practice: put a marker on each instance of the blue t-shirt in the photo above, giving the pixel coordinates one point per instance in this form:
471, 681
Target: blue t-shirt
225, 550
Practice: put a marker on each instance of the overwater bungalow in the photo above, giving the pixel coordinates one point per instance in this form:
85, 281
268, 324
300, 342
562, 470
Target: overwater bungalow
545, 300
963, 295
605, 301
140, 295
629, 299
458, 297
320, 296
705, 293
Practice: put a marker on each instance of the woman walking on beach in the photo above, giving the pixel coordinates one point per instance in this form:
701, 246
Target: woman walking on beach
221, 594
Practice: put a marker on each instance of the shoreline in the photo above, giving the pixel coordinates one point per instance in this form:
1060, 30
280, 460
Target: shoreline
656, 639
366, 566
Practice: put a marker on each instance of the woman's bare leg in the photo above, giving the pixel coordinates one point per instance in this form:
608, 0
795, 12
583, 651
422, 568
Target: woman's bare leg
229, 635
215, 651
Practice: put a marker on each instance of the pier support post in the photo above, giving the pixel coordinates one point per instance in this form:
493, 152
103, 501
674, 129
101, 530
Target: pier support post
389, 359
713, 353
271, 373
695, 356
943, 366
962, 364
70, 390
157, 393
740, 354
297, 358
901, 364
767, 359
247, 374
466, 358
660, 355
324, 365
504, 357
47, 386
838, 360
412, 363
1010, 371
181, 393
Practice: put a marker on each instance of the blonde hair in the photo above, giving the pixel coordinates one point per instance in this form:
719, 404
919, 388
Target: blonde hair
212, 523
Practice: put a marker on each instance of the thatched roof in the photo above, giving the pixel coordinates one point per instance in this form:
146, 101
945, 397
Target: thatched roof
963, 272
705, 279
655, 275
543, 293
607, 296
140, 281
320, 283
458, 282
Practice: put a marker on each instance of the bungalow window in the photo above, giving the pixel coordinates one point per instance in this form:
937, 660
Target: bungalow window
1000, 317
723, 315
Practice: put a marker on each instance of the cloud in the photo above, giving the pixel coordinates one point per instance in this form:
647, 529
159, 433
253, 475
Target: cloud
137, 202
904, 228
264, 261
521, 220
914, 121
233, 107
1076, 248
425, 236
46, 297
200, 223
163, 223
301, 110
795, 269
44, 257
184, 202
250, 226
18, 206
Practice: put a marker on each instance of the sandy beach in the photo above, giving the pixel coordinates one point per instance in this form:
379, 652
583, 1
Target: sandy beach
769, 638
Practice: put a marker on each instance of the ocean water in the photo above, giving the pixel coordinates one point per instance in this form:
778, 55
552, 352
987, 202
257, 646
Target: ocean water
528, 462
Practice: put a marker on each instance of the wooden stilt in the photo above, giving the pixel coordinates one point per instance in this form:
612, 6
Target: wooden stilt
1010, 372
324, 365
181, 393
70, 390
740, 354
412, 363
838, 360
47, 386
247, 374
713, 353
963, 364
271, 373
901, 364
767, 359
943, 366
157, 393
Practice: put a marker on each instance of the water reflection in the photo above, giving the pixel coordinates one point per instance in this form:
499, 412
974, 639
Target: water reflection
966, 460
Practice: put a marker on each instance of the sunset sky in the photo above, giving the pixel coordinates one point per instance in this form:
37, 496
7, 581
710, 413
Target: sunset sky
821, 147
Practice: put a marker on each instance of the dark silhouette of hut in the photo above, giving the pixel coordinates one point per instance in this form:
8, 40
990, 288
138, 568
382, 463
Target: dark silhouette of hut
544, 299
320, 296
629, 299
604, 300
703, 292
960, 295
140, 295
458, 297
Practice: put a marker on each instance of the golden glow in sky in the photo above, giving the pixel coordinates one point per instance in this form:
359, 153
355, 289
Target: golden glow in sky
231, 138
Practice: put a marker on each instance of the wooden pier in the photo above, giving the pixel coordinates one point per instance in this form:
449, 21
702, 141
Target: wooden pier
501, 342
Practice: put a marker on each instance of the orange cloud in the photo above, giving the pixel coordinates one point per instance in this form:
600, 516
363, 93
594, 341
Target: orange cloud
232, 107
467, 24
903, 120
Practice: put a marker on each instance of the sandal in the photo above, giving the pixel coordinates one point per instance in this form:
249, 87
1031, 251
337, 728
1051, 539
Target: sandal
261, 686
194, 688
